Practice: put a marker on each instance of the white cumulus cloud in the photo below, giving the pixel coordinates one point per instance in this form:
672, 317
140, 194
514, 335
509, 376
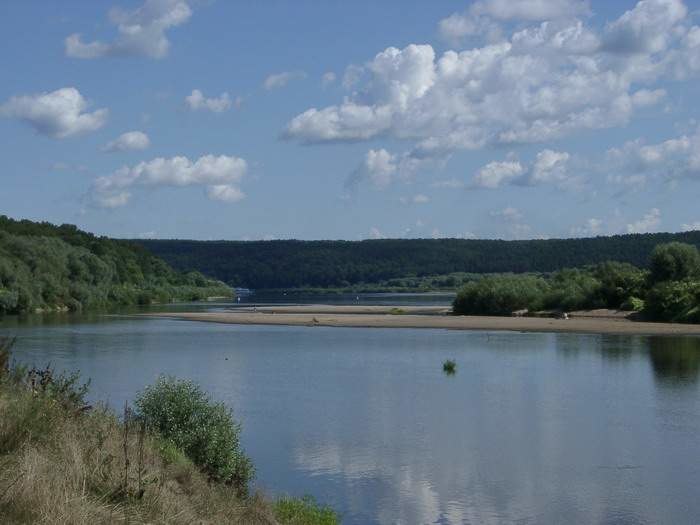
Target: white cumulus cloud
544, 82
646, 224
220, 175
279, 80
328, 78
591, 228
129, 141
689, 227
141, 32
495, 174
483, 17
196, 101
674, 158
58, 114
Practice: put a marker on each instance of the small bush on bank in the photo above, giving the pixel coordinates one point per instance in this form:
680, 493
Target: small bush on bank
299, 511
204, 430
633, 304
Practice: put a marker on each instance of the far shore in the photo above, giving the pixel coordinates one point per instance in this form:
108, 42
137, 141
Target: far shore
436, 317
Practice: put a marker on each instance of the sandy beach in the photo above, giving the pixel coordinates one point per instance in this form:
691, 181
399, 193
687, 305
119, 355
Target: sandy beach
425, 317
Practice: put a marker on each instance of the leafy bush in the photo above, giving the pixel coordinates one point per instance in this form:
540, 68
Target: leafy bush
633, 304
674, 261
304, 511
500, 295
204, 430
449, 366
573, 290
619, 282
674, 301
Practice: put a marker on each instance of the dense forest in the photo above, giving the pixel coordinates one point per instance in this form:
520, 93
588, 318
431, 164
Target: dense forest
46, 267
317, 264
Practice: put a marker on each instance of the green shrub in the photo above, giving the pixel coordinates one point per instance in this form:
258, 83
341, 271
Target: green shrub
673, 301
304, 511
449, 366
204, 430
573, 290
619, 282
633, 304
500, 295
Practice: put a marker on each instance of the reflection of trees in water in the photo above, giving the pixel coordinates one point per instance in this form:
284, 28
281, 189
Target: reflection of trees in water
676, 360
621, 347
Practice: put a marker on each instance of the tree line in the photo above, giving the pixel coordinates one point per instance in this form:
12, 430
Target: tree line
46, 267
668, 290
323, 264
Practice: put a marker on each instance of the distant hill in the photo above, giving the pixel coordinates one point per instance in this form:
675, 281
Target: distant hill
45, 267
296, 264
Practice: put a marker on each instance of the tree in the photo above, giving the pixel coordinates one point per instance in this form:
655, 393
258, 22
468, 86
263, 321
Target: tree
674, 261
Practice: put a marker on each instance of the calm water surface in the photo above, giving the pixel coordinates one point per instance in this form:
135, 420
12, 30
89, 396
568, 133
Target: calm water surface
533, 428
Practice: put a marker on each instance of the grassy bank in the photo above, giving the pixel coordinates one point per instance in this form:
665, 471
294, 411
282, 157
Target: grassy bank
64, 462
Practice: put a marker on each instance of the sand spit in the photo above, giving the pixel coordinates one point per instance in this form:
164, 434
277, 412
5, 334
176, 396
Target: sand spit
424, 317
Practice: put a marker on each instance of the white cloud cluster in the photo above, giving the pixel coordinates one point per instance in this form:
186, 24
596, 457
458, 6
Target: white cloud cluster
512, 220
416, 199
549, 167
494, 174
197, 101
279, 80
689, 227
142, 32
381, 168
219, 174
592, 228
129, 141
646, 224
671, 159
483, 17
545, 82
58, 114
328, 78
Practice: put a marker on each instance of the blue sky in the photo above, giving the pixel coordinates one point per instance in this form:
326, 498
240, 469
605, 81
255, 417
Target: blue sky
350, 120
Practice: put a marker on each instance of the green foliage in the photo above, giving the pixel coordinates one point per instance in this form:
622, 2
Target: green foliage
633, 304
619, 282
674, 261
341, 264
47, 267
204, 430
573, 290
449, 366
64, 388
500, 295
675, 301
304, 511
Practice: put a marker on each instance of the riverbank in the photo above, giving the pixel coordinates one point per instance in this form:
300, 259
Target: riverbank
63, 461
426, 317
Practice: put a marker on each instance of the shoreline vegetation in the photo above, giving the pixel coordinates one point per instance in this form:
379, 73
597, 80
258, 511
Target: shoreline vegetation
47, 268
669, 291
174, 459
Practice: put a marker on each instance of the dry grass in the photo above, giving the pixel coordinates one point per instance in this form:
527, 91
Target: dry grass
59, 466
